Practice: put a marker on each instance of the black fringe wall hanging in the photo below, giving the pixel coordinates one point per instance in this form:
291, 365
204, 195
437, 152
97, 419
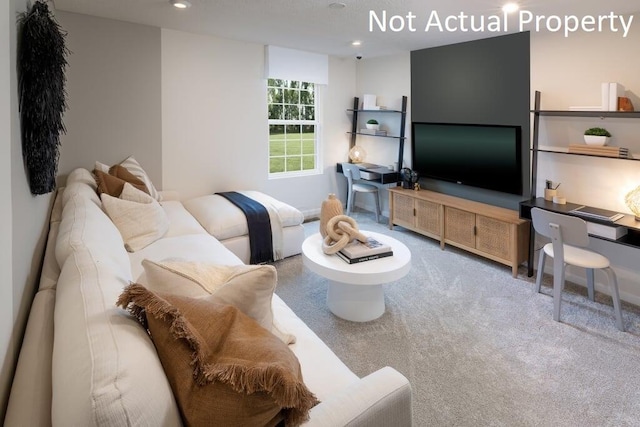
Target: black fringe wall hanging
41, 85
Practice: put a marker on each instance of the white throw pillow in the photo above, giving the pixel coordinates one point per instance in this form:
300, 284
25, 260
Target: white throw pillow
248, 287
139, 217
99, 166
134, 167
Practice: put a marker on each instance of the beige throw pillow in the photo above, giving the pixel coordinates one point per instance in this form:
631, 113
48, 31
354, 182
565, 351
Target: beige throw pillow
248, 287
136, 169
139, 218
224, 368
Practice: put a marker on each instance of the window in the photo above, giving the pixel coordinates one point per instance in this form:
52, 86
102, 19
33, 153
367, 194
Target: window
293, 127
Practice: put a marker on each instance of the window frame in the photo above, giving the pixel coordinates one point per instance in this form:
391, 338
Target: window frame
298, 122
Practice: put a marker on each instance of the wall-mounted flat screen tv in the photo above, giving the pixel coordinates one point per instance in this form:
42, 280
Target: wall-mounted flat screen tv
485, 156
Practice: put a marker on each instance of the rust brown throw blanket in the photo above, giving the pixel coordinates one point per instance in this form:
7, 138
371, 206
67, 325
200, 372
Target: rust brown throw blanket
224, 368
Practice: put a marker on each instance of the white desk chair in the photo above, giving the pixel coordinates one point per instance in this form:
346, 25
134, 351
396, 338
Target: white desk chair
352, 172
569, 236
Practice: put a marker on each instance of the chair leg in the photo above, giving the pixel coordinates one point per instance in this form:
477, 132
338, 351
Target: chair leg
558, 285
590, 283
617, 308
541, 261
350, 196
377, 195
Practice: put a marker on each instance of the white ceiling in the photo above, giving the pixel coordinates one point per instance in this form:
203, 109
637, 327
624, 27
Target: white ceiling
312, 25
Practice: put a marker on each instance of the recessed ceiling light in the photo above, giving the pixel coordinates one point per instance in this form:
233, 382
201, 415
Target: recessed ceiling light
356, 43
337, 5
510, 7
180, 4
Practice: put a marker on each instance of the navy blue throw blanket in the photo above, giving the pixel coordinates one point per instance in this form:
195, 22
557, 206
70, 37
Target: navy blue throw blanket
259, 224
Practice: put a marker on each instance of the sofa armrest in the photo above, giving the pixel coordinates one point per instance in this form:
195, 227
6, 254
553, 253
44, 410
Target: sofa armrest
380, 399
169, 195
30, 399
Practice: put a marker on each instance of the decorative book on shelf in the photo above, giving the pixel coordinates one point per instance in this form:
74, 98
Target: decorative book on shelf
357, 251
600, 150
377, 132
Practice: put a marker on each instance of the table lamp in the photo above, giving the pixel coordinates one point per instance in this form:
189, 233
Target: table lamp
357, 154
633, 202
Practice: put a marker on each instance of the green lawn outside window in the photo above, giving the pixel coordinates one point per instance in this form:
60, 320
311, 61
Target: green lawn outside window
292, 126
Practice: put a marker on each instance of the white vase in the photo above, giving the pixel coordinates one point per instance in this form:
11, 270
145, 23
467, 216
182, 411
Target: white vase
596, 140
372, 126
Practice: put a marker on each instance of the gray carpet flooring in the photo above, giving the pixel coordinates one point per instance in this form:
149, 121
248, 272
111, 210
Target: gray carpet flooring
480, 347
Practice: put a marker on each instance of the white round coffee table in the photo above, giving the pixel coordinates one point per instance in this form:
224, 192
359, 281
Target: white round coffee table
355, 290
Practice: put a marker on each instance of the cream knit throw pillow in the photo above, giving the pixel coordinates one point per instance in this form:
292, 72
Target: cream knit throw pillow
138, 216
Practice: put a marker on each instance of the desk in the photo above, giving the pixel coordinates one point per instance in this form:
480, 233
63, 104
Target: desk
386, 175
632, 238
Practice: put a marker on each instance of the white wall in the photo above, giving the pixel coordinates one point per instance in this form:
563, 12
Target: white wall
26, 215
389, 78
565, 72
568, 72
574, 80
214, 127
114, 94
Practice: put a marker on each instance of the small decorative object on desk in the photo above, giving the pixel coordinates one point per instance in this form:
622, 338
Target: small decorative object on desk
358, 251
357, 154
559, 200
550, 191
632, 199
409, 178
330, 207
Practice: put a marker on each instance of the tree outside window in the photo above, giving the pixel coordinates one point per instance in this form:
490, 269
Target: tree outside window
293, 127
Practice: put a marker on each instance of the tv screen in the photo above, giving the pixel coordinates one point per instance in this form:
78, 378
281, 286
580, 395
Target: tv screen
485, 156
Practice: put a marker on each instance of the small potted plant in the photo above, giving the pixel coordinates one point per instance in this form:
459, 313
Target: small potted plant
596, 136
372, 124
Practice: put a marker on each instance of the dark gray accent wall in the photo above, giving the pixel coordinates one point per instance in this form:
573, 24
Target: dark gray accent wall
480, 82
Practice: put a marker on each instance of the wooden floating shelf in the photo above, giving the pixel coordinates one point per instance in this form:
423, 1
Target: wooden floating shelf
603, 114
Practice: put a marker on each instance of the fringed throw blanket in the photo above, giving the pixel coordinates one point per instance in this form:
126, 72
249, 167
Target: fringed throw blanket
263, 222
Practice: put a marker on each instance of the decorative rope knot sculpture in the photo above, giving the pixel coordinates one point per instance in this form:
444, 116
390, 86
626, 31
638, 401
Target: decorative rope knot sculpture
341, 229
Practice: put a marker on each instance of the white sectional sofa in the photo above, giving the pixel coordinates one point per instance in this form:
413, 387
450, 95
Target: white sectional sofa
86, 362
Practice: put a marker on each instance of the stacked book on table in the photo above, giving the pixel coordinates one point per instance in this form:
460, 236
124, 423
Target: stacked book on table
358, 251
600, 150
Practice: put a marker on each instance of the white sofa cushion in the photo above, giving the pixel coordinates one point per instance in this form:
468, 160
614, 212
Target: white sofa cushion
104, 365
195, 247
81, 182
84, 221
181, 222
323, 372
223, 220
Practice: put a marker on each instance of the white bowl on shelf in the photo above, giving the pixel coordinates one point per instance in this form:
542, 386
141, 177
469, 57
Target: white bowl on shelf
372, 126
596, 140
